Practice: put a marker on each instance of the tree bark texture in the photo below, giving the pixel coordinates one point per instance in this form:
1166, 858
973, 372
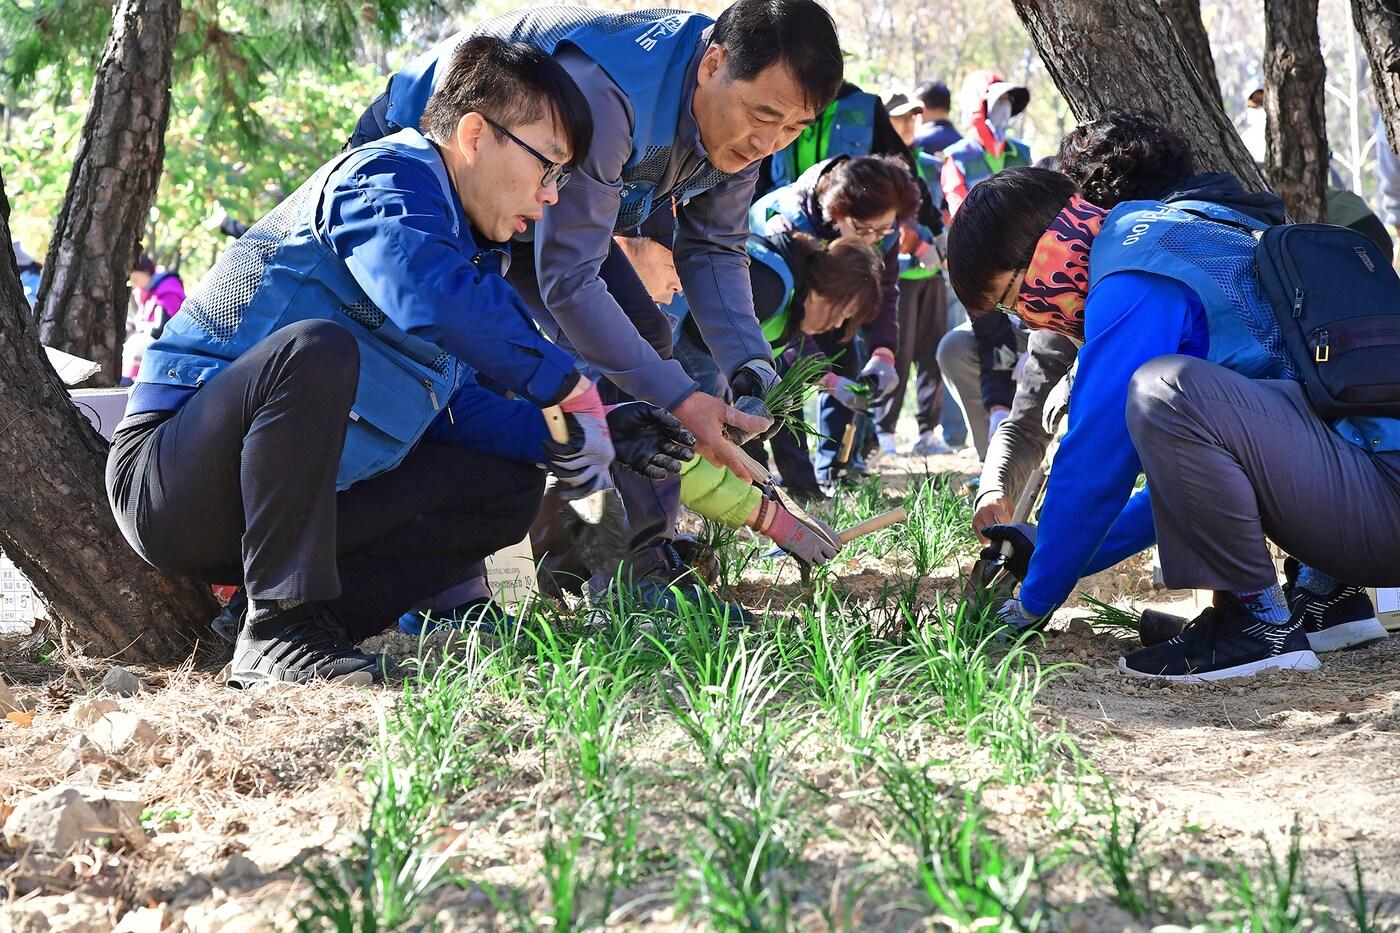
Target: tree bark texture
1185, 17
1296, 127
83, 294
1124, 53
55, 523
1378, 22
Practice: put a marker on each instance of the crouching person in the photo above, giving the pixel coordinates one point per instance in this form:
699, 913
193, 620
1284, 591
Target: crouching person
276, 433
1184, 377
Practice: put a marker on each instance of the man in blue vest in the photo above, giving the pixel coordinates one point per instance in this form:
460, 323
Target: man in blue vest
310, 425
684, 108
1183, 378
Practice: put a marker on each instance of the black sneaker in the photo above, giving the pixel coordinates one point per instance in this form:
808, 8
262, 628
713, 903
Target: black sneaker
297, 645
1344, 618
1222, 642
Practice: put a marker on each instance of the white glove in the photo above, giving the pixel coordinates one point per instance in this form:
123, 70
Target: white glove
881, 366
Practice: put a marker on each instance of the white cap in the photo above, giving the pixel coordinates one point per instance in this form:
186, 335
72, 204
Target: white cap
1020, 97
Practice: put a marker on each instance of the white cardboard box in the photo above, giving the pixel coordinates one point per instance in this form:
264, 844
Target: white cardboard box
511, 574
1387, 601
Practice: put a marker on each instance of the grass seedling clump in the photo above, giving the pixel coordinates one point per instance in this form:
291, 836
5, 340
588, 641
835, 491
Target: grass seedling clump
1119, 855
1276, 900
967, 877
787, 396
988, 685
939, 527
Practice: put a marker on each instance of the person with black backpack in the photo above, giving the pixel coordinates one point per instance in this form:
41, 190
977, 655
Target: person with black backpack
1258, 403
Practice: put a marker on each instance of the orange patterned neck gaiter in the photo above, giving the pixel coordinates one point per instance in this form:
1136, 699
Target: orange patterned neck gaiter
1057, 277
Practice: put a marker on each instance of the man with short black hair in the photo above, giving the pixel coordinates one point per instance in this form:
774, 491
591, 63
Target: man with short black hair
936, 132
685, 108
310, 425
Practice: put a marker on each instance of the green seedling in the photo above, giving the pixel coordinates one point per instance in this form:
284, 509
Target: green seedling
785, 398
964, 872
1105, 615
1119, 856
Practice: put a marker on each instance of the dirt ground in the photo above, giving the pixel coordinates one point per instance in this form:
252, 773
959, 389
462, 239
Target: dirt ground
238, 788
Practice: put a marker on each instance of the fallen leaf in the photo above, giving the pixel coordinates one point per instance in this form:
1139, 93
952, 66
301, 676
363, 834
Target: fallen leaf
23, 720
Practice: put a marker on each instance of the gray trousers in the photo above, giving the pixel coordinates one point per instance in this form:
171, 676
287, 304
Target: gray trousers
961, 365
1230, 461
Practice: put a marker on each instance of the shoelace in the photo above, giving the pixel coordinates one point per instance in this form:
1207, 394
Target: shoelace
325, 634
1207, 624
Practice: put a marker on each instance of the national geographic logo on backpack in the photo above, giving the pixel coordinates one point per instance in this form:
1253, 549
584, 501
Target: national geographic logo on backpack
1365, 258
659, 30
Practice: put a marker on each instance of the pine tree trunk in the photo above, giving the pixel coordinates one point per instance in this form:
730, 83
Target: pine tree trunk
83, 294
1185, 17
1125, 53
1378, 22
1296, 130
55, 523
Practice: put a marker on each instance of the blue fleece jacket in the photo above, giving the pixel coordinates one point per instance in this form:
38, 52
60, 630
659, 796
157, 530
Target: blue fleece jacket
1091, 519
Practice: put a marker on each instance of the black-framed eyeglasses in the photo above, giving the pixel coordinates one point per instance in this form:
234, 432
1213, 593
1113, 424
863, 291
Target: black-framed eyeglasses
1006, 292
555, 173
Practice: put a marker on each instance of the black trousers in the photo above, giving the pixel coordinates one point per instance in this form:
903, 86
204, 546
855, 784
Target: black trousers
238, 486
923, 320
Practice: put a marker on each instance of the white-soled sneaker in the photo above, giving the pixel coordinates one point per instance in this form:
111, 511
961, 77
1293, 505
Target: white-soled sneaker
1225, 641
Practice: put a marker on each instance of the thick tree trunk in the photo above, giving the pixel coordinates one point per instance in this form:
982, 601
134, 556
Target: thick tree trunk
1125, 53
1378, 22
1294, 75
55, 523
83, 293
1185, 17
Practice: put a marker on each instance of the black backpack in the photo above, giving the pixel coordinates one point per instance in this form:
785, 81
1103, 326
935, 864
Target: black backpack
1337, 302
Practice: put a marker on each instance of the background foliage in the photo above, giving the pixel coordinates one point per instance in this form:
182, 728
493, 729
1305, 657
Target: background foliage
265, 92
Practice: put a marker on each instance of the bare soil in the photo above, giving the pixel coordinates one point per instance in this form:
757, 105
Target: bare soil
242, 787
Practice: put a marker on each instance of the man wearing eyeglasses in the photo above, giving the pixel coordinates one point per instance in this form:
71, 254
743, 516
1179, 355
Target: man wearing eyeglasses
685, 108
310, 426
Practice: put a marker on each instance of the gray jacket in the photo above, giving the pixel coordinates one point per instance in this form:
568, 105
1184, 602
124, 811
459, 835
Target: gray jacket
573, 239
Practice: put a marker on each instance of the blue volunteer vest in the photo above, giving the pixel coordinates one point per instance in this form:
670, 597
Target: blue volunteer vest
972, 158
648, 54
773, 320
281, 271
1215, 262
845, 127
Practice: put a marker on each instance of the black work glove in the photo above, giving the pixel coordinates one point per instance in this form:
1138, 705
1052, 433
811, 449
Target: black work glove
1020, 537
753, 378
649, 440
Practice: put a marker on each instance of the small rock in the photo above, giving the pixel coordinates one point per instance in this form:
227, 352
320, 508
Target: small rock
87, 712
77, 753
240, 872
93, 774
121, 682
1080, 627
66, 815
70, 913
228, 917
142, 920
8, 703
117, 732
